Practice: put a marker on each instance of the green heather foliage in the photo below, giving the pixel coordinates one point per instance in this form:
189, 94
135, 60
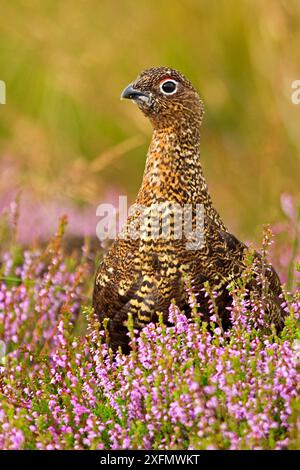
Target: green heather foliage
181, 387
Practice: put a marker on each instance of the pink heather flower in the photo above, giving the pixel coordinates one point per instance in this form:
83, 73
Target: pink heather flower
288, 205
209, 389
17, 439
60, 327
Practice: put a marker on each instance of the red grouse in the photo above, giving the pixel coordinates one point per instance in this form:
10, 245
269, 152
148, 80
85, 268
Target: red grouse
145, 270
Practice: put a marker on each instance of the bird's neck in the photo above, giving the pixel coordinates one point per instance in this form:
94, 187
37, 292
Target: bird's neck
174, 173
173, 170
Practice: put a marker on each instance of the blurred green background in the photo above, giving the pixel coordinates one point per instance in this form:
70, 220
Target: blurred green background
65, 64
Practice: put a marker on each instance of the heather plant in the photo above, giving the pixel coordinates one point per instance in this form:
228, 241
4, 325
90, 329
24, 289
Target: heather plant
188, 386
285, 253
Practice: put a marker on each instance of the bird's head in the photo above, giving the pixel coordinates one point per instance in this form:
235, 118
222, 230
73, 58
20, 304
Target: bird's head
166, 97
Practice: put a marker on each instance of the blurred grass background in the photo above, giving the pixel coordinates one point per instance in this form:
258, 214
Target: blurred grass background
66, 63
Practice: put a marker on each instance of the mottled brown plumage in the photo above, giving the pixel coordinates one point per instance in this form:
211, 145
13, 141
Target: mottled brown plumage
142, 275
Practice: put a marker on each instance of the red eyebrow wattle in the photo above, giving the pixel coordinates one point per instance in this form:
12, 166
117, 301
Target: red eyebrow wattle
166, 79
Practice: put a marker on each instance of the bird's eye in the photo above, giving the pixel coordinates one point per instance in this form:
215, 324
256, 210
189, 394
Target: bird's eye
168, 87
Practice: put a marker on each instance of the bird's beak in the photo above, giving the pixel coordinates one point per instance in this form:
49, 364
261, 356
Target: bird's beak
131, 93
